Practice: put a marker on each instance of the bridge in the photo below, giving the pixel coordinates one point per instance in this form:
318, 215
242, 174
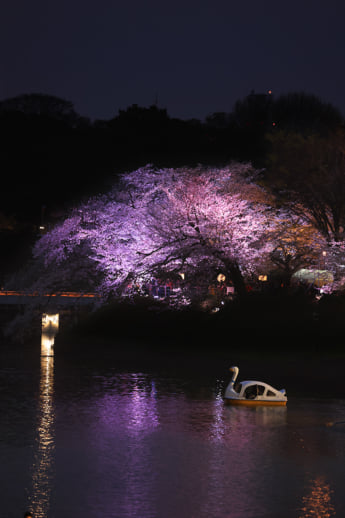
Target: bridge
65, 298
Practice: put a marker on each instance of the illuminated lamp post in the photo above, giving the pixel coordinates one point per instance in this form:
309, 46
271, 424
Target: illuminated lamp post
221, 279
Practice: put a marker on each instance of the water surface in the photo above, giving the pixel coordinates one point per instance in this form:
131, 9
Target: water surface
89, 438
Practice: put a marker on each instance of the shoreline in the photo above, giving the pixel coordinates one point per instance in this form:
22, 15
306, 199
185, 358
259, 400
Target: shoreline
272, 339
302, 375
321, 375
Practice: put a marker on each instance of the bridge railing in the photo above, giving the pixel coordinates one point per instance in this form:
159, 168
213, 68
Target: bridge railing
63, 297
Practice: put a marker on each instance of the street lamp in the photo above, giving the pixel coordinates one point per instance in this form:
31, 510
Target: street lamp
324, 253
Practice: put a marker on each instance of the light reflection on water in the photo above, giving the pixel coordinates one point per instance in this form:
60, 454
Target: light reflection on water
130, 444
204, 458
318, 502
43, 468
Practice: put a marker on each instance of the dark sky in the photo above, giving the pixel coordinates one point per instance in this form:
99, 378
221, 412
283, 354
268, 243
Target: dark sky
196, 57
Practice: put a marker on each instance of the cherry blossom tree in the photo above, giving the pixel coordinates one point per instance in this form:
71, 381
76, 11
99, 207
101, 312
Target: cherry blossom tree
163, 222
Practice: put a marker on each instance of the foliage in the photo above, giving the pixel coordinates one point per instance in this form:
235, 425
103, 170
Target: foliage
55, 152
41, 105
305, 113
164, 222
297, 244
308, 174
254, 111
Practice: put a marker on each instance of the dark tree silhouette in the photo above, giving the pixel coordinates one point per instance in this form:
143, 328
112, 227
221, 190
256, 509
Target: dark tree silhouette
309, 173
254, 111
306, 113
42, 105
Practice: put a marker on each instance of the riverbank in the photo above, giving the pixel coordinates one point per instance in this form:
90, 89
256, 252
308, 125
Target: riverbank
270, 323
287, 343
302, 374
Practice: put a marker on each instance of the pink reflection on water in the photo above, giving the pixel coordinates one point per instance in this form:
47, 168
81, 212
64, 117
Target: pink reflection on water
218, 428
132, 405
246, 437
127, 417
230, 458
142, 408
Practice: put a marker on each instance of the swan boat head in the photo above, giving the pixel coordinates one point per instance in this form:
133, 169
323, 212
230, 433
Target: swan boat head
252, 392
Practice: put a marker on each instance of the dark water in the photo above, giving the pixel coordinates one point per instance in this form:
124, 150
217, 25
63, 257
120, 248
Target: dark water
87, 438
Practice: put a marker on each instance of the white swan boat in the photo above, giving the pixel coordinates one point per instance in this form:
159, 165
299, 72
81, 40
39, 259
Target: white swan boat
252, 393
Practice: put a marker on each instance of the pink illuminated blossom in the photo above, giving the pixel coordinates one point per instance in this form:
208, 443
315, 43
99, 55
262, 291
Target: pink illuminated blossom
167, 220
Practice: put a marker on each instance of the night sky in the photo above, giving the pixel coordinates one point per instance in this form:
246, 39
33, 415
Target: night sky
193, 57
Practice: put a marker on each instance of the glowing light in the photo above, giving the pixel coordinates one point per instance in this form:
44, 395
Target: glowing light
319, 501
221, 277
262, 278
50, 327
50, 323
42, 469
47, 343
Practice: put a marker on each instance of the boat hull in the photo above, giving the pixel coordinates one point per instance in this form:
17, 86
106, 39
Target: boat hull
253, 402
